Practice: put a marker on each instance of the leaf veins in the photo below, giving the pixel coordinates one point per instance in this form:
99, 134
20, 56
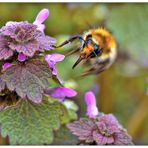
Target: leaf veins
28, 80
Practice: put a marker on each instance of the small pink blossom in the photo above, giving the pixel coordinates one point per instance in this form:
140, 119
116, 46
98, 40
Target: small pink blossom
99, 128
41, 17
21, 57
5, 66
60, 92
92, 110
52, 60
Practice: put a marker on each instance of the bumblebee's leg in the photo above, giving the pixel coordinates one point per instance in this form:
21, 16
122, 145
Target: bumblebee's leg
73, 38
96, 56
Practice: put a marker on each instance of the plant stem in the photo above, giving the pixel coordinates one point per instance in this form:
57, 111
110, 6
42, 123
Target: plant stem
105, 93
4, 141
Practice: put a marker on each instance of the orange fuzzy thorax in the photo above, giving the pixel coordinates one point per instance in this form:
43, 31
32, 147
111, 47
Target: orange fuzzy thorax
87, 51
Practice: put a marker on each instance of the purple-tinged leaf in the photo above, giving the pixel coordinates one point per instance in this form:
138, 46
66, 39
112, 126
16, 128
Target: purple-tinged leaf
103, 130
28, 80
5, 51
23, 37
122, 138
102, 140
2, 84
83, 129
45, 42
27, 49
19, 31
108, 124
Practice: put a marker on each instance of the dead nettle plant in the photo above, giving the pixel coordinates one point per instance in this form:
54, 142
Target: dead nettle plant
99, 128
30, 108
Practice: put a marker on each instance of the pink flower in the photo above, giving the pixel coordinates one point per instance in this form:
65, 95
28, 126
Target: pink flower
60, 92
21, 57
99, 128
52, 60
103, 130
5, 66
92, 110
41, 17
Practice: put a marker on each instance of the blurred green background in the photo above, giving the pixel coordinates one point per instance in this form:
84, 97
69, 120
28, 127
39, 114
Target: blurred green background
121, 90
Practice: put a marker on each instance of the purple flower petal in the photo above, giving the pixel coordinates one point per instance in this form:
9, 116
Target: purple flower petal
52, 60
90, 99
41, 27
92, 110
55, 57
41, 17
5, 66
60, 92
21, 57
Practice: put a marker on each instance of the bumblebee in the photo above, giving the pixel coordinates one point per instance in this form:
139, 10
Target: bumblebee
97, 50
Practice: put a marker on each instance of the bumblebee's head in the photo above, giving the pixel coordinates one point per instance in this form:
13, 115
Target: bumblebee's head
89, 50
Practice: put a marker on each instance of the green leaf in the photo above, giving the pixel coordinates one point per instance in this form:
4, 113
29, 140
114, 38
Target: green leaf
28, 80
64, 137
69, 109
129, 25
31, 123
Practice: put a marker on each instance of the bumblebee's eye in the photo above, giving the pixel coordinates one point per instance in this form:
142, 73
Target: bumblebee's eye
96, 47
89, 41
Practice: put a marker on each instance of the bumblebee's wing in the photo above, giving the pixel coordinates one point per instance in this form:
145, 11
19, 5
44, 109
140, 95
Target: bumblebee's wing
93, 71
73, 51
96, 68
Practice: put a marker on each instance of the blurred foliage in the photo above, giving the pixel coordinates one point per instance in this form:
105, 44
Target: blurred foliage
121, 89
65, 137
129, 24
